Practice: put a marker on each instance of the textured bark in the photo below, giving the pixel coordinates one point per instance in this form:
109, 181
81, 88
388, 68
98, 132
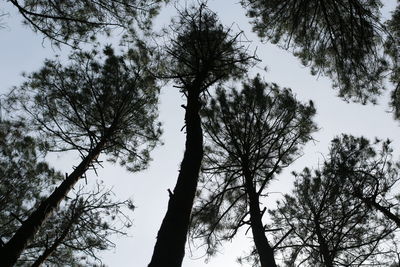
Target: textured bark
169, 249
264, 250
11, 251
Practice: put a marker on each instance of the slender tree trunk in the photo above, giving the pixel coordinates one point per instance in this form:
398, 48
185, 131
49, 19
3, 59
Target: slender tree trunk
48, 251
169, 249
264, 250
11, 251
323, 247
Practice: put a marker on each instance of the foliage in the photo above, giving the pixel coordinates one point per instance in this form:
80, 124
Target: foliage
88, 218
260, 129
87, 102
341, 39
327, 227
80, 229
392, 46
24, 177
73, 22
351, 202
201, 51
367, 172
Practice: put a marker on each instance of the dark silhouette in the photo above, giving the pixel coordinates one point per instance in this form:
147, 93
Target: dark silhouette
367, 172
90, 107
251, 135
82, 224
202, 52
340, 39
83, 227
23, 176
80, 21
327, 227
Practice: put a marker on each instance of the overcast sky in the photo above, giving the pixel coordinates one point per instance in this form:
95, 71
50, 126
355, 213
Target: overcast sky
22, 50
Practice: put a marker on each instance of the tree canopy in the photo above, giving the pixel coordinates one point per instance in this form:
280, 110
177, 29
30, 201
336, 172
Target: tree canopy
250, 136
73, 22
202, 52
341, 39
241, 134
346, 212
75, 107
367, 171
328, 228
79, 227
92, 108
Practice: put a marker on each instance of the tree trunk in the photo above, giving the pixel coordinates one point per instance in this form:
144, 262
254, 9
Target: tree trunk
39, 261
11, 251
323, 247
169, 249
264, 250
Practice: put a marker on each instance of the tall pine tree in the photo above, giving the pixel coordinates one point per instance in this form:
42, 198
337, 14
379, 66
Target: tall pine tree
201, 53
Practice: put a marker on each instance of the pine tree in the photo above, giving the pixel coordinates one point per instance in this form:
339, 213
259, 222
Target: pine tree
341, 39
80, 226
201, 53
328, 228
93, 108
74, 22
367, 172
251, 136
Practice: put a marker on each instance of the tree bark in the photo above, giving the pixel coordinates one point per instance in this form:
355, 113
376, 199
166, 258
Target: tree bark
11, 251
169, 249
264, 250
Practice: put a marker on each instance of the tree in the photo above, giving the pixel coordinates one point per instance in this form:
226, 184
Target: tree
251, 136
75, 233
200, 53
84, 225
73, 22
90, 107
341, 39
23, 176
392, 46
367, 172
321, 226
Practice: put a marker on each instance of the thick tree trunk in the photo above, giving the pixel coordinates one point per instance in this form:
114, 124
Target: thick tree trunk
264, 250
11, 251
169, 249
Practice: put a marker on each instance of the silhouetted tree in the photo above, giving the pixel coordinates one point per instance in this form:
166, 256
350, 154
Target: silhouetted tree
200, 53
341, 39
328, 228
90, 107
24, 176
251, 136
81, 226
75, 233
73, 22
367, 172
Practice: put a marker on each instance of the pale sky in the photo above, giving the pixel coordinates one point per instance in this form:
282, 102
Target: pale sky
22, 50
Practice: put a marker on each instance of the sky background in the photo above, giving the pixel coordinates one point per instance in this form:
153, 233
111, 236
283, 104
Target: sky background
21, 50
